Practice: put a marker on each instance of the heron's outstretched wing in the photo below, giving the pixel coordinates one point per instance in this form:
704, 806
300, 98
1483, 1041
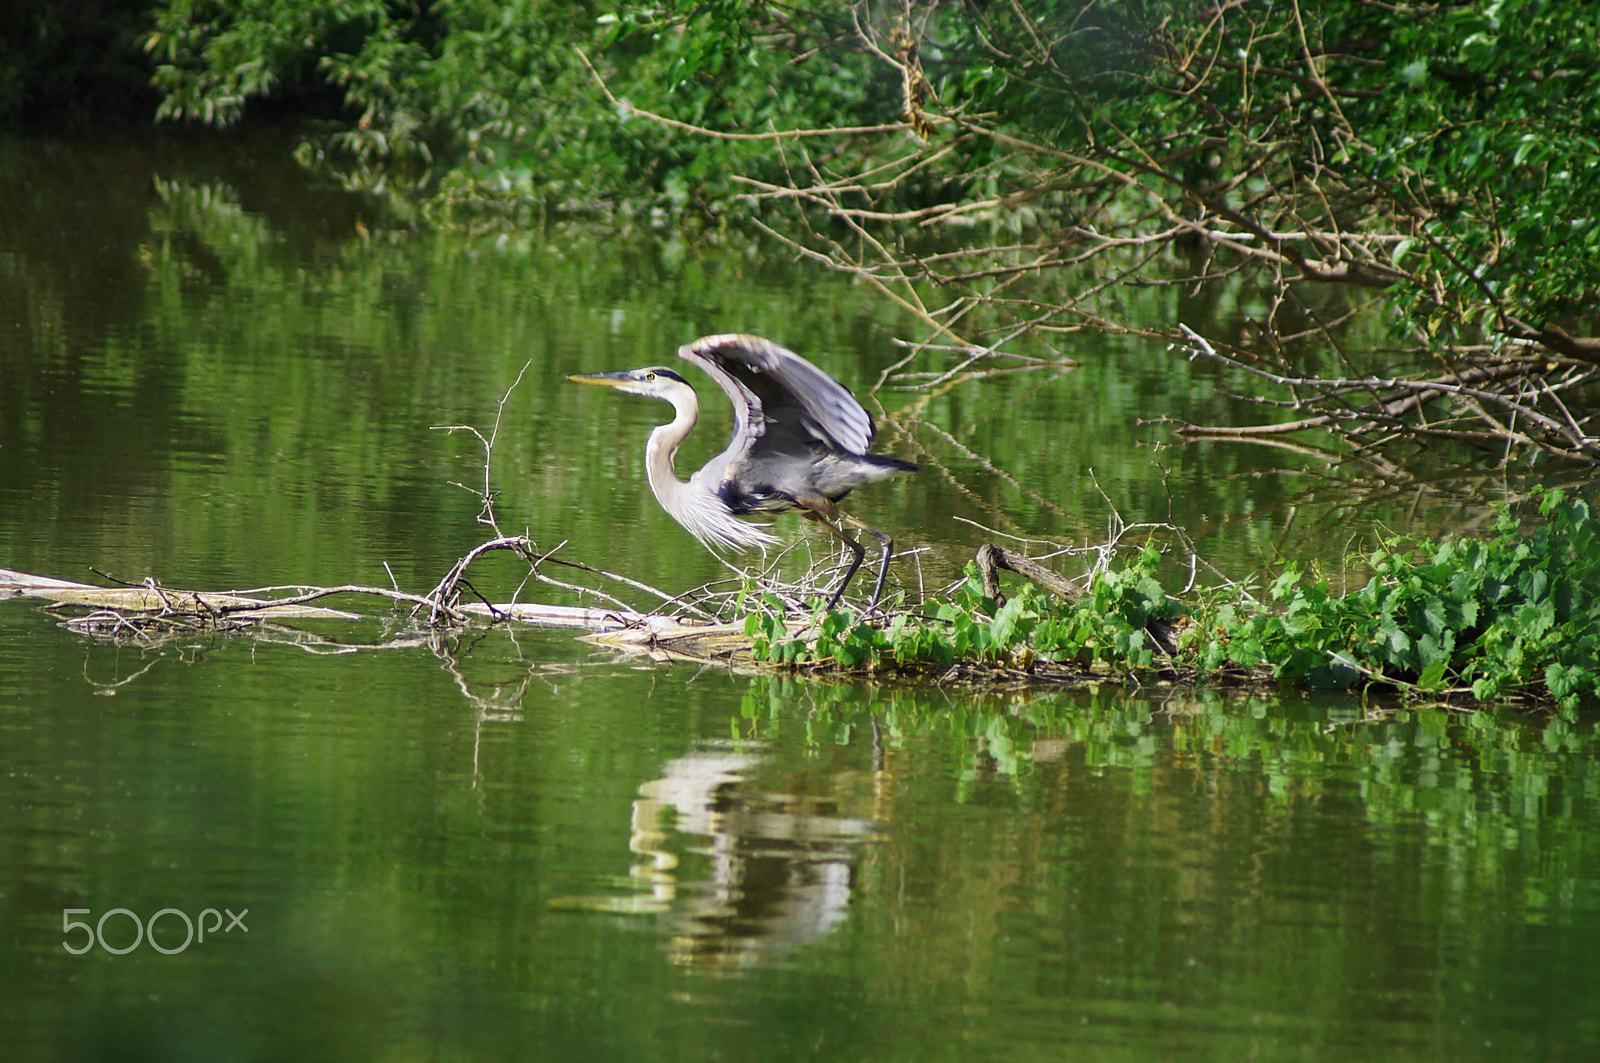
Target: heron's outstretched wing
777, 395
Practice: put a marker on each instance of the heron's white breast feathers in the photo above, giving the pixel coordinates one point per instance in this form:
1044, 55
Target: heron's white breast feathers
705, 517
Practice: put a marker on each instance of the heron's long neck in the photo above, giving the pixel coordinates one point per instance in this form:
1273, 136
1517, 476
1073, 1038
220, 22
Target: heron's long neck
663, 445
694, 503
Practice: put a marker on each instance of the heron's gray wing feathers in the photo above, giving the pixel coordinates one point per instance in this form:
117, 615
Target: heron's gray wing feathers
773, 388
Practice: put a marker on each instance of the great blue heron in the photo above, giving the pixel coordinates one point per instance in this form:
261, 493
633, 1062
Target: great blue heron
799, 442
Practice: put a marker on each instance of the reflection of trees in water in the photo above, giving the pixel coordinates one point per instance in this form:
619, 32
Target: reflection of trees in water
111, 252
780, 863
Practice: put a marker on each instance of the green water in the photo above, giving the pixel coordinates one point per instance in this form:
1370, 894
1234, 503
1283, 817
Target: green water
511, 845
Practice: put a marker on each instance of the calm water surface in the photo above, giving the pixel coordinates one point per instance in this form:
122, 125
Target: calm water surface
512, 845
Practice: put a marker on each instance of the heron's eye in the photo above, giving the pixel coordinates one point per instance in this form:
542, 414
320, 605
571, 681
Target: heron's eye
649, 376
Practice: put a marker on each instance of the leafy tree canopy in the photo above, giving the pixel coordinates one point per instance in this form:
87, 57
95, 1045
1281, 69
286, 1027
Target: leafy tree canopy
1465, 130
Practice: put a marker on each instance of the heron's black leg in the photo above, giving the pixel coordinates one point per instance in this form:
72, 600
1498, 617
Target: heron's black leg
857, 552
883, 569
888, 553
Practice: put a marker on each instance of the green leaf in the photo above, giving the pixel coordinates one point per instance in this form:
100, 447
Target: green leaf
1432, 677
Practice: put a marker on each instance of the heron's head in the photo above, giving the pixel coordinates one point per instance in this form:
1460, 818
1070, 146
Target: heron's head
654, 381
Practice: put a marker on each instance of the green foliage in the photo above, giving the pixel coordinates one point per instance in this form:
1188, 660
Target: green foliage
1467, 132
1107, 625
503, 90
1465, 136
1491, 140
449, 70
1516, 615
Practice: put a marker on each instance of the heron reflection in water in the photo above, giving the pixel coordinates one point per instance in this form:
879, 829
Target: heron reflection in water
799, 442
771, 862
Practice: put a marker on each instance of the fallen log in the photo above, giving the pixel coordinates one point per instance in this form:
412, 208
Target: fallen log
155, 600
